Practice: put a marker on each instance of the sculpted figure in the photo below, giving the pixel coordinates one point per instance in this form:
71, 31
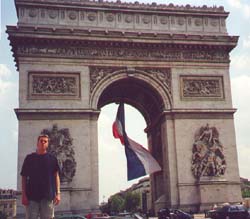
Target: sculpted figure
208, 158
61, 146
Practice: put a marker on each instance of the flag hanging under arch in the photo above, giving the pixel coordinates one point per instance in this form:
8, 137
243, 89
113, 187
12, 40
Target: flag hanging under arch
139, 160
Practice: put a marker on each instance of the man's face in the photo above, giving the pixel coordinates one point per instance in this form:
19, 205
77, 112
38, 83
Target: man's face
42, 144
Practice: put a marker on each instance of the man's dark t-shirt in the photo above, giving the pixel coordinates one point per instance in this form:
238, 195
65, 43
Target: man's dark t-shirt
39, 171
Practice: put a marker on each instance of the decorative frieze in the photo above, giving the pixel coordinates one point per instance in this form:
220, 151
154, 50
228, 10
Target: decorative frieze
97, 73
201, 87
43, 85
52, 13
61, 145
208, 158
128, 53
162, 75
127, 19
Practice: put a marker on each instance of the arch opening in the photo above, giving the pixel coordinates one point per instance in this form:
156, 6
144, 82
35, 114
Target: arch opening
149, 102
136, 93
112, 158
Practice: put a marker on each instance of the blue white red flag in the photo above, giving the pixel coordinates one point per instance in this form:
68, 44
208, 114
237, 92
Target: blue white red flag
139, 160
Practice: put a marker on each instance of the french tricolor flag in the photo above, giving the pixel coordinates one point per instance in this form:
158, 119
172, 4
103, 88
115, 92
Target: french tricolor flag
139, 160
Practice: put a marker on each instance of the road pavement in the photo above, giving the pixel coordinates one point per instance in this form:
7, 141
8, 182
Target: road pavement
199, 216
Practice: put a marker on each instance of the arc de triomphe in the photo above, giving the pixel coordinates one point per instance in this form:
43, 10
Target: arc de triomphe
169, 62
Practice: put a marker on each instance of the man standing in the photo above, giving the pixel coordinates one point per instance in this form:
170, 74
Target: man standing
40, 182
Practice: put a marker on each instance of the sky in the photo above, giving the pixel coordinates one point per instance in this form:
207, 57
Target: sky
238, 23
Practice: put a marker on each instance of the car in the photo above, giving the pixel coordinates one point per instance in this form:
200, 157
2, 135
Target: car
126, 214
97, 215
163, 213
70, 216
100, 216
166, 213
210, 213
231, 212
181, 214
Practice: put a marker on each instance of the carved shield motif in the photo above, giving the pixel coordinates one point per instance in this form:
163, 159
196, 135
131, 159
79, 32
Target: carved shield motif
208, 158
60, 145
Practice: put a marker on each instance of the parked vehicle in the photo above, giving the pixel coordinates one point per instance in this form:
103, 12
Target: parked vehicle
231, 212
125, 214
100, 216
164, 213
210, 213
70, 216
94, 215
179, 214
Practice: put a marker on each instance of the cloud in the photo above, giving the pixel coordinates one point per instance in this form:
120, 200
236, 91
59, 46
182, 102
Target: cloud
241, 93
243, 160
8, 100
5, 84
246, 42
4, 71
240, 5
241, 97
235, 3
240, 62
111, 154
246, 10
112, 159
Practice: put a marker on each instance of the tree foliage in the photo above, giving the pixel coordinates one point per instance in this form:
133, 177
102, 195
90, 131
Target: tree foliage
129, 201
116, 203
245, 193
105, 208
132, 201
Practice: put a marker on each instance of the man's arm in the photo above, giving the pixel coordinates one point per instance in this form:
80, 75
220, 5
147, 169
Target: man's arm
58, 193
25, 200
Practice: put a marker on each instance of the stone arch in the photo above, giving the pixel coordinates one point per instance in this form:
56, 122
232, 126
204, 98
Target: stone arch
106, 83
68, 51
156, 88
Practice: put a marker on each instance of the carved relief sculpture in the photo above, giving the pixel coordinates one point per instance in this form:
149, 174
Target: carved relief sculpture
163, 75
53, 85
208, 158
60, 145
98, 73
124, 53
202, 87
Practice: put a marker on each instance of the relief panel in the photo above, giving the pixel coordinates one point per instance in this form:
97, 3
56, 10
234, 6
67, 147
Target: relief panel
201, 87
124, 53
208, 157
61, 146
46, 85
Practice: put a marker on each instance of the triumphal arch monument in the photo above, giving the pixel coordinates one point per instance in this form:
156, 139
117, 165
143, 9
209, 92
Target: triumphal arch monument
169, 62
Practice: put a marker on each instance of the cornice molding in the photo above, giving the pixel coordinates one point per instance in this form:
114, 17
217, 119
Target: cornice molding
124, 5
122, 16
60, 114
192, 114
115, 45
68, 33
198, 114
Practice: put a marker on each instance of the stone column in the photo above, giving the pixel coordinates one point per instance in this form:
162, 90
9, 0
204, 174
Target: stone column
170, 162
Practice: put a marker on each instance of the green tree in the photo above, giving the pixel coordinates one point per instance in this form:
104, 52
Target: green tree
245, 193
105, 208
132, 201
116, 203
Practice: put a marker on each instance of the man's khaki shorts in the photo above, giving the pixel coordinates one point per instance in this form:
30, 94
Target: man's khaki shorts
44, 209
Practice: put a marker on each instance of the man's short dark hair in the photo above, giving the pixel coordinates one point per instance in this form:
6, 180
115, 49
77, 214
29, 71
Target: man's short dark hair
42, 136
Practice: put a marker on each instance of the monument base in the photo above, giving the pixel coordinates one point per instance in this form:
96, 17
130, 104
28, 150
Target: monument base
216, 191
